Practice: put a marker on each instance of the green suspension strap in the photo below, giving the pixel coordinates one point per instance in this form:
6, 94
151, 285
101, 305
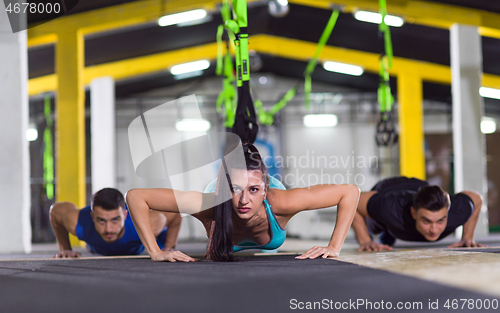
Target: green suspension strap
244, 124
245, 121
226, 16
228, 94
386, 131
225, 13
48, 159
312, 63
220, 64
267, 117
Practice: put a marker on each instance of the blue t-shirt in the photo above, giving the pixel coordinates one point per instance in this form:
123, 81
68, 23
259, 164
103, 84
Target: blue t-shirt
128, 244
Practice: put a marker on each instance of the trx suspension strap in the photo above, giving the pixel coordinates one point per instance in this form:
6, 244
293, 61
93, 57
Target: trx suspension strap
48, 160
245, 122
312, 63
267, 118
228, 94
386, 131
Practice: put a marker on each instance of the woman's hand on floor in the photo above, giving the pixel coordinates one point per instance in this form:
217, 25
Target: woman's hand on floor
324, 252
171, 256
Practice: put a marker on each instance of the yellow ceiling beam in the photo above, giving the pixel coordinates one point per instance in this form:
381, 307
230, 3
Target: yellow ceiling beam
491, 81
146, 11
302, 51
42, 40
128, 68
265, 44
119, 16
420, 12
42, 84
114, 17
150, 64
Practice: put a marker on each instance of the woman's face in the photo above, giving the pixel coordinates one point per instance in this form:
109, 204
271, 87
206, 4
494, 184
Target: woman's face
249, 192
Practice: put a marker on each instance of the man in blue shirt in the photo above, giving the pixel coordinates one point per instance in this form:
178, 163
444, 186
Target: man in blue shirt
106, 226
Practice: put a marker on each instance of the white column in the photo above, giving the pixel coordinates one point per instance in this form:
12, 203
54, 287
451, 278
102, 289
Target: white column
469, 148
103, 133
15, 226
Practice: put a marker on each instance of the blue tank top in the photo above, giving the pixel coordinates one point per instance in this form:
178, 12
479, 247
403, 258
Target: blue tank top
128, 244
278, 234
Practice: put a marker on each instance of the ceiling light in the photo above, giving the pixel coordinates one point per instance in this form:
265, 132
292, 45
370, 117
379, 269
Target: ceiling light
372, 17
343, 68
192, 125
31, 133
320, 120
190, 67
278, 8
489, 92
188, 75
183, 17
488, 125
394, 21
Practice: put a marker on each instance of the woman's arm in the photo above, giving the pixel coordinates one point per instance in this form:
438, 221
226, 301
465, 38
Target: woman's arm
140, 201
322, 196
174, 221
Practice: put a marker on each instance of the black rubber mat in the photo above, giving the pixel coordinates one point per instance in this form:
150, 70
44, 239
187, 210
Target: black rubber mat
255, 284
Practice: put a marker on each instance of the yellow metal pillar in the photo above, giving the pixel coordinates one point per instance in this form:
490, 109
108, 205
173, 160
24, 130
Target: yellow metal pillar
411, 125
70, 119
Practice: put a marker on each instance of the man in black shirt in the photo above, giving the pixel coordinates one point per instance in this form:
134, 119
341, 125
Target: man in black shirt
411, 210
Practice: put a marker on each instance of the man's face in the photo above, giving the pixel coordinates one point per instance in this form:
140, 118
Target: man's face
109, 224
430, 224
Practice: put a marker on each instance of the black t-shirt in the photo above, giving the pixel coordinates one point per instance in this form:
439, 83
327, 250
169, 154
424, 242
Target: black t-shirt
399, 183
391, 208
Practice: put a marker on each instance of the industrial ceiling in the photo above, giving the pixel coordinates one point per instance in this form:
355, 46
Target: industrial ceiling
304, 23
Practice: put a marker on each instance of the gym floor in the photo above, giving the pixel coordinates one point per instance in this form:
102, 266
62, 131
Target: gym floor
411, 278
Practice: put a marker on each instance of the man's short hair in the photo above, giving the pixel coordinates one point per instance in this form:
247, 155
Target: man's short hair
432, 198
108, 199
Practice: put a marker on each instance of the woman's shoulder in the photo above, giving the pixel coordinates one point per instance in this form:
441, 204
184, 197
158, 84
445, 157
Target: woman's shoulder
278, 199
